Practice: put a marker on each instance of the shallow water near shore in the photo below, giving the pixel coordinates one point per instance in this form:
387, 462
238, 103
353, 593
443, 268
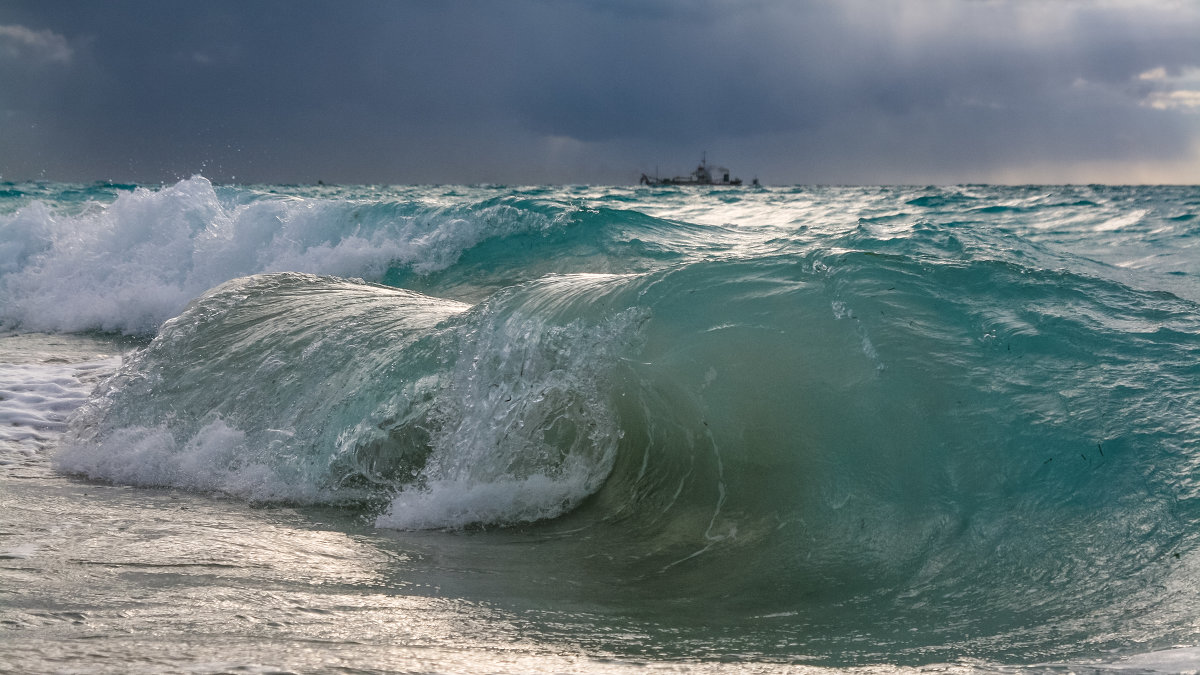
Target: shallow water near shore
464, 429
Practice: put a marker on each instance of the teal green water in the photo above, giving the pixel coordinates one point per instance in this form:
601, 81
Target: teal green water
840, 427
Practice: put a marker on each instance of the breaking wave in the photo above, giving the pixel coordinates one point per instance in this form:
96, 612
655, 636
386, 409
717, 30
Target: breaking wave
882, 407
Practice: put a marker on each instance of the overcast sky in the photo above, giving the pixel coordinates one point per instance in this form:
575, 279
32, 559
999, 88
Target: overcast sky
557, 91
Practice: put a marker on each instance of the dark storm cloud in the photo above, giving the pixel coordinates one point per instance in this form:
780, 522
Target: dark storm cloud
852, 91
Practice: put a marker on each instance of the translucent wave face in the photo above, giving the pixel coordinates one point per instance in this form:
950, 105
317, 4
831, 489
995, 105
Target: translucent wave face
298, 388
524, 423
246, 390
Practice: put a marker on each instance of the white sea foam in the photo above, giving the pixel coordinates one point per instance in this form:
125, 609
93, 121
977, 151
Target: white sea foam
130, 265
217, 458
37, 398
455, 504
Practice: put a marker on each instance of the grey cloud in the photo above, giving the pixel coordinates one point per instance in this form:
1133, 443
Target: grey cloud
533, 90
23, 44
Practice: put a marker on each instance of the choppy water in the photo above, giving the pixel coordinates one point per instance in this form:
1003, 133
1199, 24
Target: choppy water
546, 429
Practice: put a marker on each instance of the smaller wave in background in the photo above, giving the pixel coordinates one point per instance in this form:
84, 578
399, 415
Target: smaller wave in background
129, 265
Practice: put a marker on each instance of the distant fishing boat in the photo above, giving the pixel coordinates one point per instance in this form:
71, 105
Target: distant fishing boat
703, 175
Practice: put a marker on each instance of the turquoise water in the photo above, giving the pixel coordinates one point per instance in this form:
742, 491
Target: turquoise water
880, 427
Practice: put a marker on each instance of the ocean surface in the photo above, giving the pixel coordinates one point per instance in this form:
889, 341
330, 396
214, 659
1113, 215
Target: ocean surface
599, 429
